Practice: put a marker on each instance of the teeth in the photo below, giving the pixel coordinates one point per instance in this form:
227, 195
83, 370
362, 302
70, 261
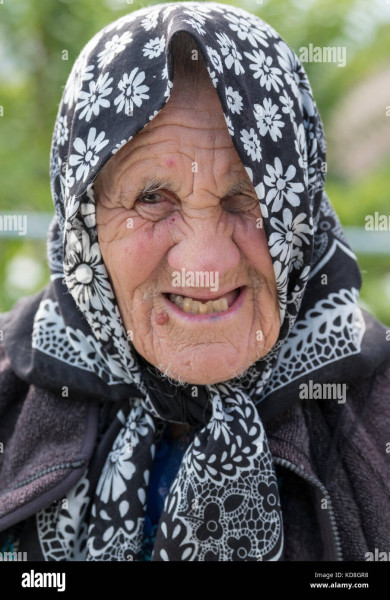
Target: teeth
202, 308
196, 307
187, 304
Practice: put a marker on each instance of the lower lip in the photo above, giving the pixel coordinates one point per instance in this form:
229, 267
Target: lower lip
209, 316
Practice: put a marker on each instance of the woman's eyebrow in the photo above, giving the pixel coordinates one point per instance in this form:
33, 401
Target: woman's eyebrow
149, 184
242, 186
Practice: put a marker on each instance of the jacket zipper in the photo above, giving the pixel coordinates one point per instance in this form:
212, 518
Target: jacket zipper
317, 484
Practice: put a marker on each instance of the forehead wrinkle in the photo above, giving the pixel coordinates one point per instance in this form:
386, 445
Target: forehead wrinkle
160, 149
116, 166
127, 165
170, 130
218, 138
212, 124
119, 169
172, 179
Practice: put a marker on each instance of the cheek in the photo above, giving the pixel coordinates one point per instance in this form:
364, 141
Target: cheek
252, 242
133, 258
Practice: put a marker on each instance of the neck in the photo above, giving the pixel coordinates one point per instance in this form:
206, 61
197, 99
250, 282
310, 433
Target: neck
178, 429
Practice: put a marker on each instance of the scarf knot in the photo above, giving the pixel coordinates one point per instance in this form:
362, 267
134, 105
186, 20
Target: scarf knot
223, 504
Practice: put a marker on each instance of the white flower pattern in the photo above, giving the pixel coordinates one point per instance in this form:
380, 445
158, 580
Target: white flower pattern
81, 72
268, 119
87, 153
264, 71
117, 470
289, 234
251, 143
229, 50
90, 102
154, 47
234, 100
215, 59
86, 274
151, 20
246, 31
113, 47
133, 91
282, 188
62, 130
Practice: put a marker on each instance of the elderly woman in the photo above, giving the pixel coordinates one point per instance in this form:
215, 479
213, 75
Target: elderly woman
196, 382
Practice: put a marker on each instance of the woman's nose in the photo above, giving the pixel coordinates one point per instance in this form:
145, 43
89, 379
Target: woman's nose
206, 247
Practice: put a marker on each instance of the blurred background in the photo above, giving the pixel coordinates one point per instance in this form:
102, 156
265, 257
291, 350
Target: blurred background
39, 42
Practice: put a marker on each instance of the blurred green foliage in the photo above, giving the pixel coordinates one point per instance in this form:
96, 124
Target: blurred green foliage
39, 41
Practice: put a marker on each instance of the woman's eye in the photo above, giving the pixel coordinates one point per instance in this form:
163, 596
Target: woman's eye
154, 206
149, 198
240, 204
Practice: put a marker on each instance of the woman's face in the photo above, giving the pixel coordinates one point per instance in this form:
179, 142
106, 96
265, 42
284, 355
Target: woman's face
199, 236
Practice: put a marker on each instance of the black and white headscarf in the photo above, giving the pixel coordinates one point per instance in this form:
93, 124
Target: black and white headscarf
224, 503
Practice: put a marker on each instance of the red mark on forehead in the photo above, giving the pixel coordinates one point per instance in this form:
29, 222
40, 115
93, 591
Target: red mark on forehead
170, 162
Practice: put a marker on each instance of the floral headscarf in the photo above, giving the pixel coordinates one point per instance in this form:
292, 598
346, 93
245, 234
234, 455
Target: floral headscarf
121, 80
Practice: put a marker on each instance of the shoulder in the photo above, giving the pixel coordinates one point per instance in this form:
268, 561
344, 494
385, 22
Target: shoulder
370, 371
368, 402
15, 336
366, 374
375, 348
12, 388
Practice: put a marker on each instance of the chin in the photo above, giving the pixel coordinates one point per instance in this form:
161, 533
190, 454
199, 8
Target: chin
203, 368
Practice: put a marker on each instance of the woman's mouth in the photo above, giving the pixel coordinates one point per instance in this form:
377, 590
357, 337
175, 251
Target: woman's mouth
203, 306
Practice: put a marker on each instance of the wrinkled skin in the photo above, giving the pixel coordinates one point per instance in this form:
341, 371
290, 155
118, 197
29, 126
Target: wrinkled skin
195, 227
